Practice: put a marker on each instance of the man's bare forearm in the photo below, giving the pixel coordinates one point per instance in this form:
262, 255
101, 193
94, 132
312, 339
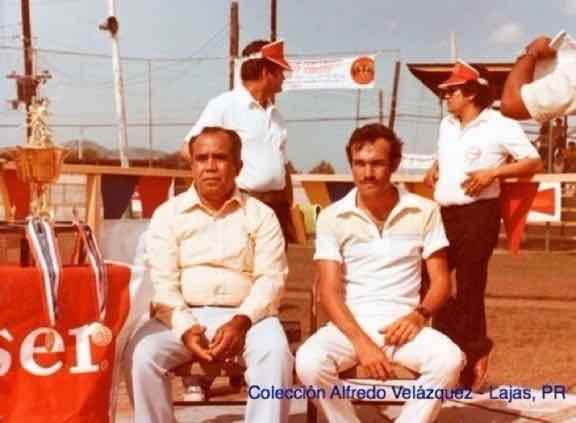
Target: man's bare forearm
522, 73
512, 104
332, 300
439, 291
521, 168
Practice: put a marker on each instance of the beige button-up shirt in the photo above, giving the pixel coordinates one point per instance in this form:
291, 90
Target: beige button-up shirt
199, 257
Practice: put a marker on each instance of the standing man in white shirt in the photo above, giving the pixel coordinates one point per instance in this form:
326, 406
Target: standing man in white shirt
474, 145
370, 249
250, 111
552, 96
218, 266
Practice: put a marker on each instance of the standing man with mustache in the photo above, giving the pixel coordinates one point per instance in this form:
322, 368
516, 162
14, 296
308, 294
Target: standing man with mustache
474, 145
249, 110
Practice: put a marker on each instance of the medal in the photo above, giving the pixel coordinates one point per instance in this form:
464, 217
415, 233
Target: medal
100, 334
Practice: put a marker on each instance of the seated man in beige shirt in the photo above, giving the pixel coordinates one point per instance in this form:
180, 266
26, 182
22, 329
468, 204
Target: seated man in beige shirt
218, 266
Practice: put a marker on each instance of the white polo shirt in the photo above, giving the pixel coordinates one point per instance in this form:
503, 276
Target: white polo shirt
382, 270
263, 135
486, 142
553, 95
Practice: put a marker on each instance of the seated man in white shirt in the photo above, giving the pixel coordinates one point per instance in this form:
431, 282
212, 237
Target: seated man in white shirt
218, 266
370, 247
552, 96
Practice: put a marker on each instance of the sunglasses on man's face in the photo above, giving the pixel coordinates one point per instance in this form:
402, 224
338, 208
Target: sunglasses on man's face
449, 91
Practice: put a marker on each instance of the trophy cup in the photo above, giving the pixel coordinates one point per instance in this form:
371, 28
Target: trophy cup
39, 161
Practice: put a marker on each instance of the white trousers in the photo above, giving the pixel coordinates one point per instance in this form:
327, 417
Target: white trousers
155, 350
329, 352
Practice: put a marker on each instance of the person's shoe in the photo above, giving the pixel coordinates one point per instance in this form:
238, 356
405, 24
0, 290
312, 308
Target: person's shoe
480, 372
466, 378
194, 393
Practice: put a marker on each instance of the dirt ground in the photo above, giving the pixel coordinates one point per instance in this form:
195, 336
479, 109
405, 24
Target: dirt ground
531, 310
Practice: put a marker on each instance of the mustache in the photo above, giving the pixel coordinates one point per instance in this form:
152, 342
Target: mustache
368, 180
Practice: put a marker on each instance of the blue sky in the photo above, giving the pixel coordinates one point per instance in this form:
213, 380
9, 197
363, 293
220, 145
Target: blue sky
411, 31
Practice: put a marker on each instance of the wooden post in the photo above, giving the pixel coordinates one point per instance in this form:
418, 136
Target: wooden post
380, 106
149, 99
393, 100
358, 95
550, 170
234, 41
273, 19
94, 202
6, 202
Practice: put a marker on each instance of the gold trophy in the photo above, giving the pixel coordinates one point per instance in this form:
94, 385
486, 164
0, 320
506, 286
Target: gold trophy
39, 161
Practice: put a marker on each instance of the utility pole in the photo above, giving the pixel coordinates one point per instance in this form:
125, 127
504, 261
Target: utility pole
453, 47
394, 99
273, 20
273, 16
234, 36
81, 144
111, 25
381, 106
30, 84
27, 84
149, 98
358, 96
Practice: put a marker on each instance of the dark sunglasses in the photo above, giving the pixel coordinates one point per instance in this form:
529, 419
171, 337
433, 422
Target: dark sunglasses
448, 91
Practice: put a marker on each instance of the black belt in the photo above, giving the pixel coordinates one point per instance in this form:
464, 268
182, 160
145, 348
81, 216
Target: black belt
476, 204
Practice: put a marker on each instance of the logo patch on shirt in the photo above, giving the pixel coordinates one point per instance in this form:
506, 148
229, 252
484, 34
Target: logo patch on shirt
472, 154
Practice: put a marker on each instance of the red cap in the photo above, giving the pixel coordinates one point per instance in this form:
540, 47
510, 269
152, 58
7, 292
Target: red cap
462, 73
273, 52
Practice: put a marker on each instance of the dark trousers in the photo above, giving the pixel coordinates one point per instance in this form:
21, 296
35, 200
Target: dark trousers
278, 201
472, 231
284, 215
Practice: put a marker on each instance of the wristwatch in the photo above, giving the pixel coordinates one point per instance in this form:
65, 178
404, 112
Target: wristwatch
423, 311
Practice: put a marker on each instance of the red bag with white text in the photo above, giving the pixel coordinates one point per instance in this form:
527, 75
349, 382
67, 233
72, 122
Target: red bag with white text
58, 371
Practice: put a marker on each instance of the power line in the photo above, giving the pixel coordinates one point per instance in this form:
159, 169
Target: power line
124, 58
193, 58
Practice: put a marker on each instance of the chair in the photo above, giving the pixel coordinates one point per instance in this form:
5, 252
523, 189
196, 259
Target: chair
403, 375
234, 371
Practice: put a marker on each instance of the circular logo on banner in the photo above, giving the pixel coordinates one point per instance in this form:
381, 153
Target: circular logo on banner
362, 70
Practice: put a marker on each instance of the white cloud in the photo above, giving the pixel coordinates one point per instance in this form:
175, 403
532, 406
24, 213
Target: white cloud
569, 7
507, 33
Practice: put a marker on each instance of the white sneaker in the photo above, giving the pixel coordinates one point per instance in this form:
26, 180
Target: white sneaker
194, 393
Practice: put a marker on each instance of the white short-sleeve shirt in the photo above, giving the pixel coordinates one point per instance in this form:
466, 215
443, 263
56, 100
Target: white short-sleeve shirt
486, 142
263, 135
382, 270
553, 95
